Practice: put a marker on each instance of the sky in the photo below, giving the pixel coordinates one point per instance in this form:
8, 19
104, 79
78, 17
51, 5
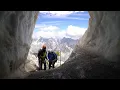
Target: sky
59, 24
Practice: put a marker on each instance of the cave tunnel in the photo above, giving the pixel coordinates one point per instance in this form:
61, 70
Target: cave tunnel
96, 55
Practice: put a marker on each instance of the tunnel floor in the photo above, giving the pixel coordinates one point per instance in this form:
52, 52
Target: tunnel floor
84, 65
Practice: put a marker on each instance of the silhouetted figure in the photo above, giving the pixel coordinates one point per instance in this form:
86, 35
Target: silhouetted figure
52, 58
41, 57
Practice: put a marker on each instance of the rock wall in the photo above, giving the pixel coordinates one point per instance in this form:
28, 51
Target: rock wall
16, 29
103, 34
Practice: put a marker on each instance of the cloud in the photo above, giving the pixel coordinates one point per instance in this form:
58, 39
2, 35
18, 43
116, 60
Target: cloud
45, 27
81, 14
51, 23
50, 28
45, 31
62, 14
53, 31
66, 17
44, 34
59, 13
75, 30
82, 11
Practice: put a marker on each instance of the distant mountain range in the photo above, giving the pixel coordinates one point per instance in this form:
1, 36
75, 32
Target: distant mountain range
65, 45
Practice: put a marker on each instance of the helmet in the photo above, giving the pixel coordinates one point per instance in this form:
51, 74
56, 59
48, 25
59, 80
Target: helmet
44, 46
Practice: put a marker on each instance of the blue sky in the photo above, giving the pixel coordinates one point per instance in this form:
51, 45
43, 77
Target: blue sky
61, 24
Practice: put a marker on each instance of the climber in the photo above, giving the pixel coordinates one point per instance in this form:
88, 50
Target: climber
41, 57
52, 57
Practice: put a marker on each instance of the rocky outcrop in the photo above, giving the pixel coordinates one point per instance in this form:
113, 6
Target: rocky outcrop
96, 55
16, 29
103, 35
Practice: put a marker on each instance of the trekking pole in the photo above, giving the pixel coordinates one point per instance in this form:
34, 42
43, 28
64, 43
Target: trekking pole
60, 58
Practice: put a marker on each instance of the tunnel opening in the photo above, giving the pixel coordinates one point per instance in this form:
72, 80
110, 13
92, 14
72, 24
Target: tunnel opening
60, 32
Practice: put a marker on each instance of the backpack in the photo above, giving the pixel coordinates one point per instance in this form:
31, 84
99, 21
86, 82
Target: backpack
52, 56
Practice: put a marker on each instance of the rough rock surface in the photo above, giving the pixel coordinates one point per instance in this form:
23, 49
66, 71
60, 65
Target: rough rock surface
16, 29
96, 55
103, 34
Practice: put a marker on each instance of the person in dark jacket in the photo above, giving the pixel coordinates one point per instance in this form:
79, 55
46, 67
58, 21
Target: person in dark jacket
41, 57
52, 58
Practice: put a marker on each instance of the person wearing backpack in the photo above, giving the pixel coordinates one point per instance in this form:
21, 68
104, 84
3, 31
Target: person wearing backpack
52, 58
42, 55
